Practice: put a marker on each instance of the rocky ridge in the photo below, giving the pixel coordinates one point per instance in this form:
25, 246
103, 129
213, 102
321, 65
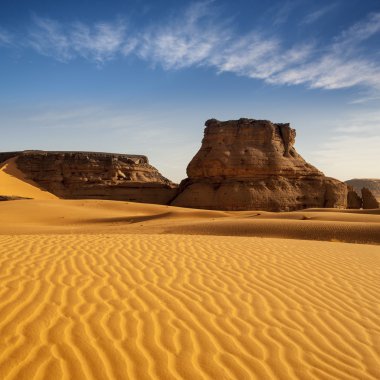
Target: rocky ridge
249, 164
75, 175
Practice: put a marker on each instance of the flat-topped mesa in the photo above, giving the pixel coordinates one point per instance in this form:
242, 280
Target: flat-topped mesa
98, 175
137, 158
249, 164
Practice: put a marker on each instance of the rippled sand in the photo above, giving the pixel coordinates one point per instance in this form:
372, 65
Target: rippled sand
117, 290
187, 307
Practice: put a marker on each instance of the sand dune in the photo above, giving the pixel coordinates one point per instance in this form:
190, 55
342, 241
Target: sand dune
92, 216
187, 307
119, 290
14, 183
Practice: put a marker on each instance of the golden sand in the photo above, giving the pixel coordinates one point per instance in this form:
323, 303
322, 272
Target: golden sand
94, 216
119, 290
187, 307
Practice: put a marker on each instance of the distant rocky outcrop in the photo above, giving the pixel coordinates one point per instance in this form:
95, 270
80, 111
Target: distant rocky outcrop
76, 175
372, 184
251, 164
369, 200
365, 200
354, 201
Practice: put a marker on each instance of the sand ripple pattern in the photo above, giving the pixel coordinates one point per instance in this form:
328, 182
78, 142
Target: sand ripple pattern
187, 307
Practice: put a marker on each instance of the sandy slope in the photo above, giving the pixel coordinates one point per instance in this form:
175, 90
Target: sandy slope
92, 216
14, 183
127, 306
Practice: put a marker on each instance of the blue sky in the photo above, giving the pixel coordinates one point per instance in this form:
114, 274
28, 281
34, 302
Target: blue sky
143, 76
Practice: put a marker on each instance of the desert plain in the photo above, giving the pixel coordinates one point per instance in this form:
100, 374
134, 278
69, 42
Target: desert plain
97, 289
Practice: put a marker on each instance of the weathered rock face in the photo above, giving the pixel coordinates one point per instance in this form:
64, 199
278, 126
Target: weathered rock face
78, 175
354, 201
251, 164
372, 184
369, 200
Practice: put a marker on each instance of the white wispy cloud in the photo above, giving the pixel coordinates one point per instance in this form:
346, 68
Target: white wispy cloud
49, 38
317, 14
341, 64
256, 60
359, 32
366, 97
200, 36
99, 42
258, 57
282, 11
331, 71
188, 40
5, 37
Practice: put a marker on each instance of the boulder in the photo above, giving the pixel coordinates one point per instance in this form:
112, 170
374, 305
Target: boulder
369, 200
354, 201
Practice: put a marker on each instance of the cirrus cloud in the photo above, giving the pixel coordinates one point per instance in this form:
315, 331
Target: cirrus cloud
200, 36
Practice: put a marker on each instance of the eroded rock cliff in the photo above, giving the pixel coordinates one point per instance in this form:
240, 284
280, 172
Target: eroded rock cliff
249, 164
78, 175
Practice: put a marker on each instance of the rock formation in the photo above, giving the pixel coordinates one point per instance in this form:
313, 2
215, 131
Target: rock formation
369, 200
372, 184
78, 175
251, 164
354, 201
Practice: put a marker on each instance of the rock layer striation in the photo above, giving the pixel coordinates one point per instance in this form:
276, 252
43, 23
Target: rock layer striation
76, 175
249, 164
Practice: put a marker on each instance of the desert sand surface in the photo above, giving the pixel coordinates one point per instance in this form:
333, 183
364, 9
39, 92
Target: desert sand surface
139, 306
99, 216
118, 290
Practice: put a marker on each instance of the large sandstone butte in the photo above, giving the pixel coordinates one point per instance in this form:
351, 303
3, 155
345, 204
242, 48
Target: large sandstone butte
249, 164
76, 175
